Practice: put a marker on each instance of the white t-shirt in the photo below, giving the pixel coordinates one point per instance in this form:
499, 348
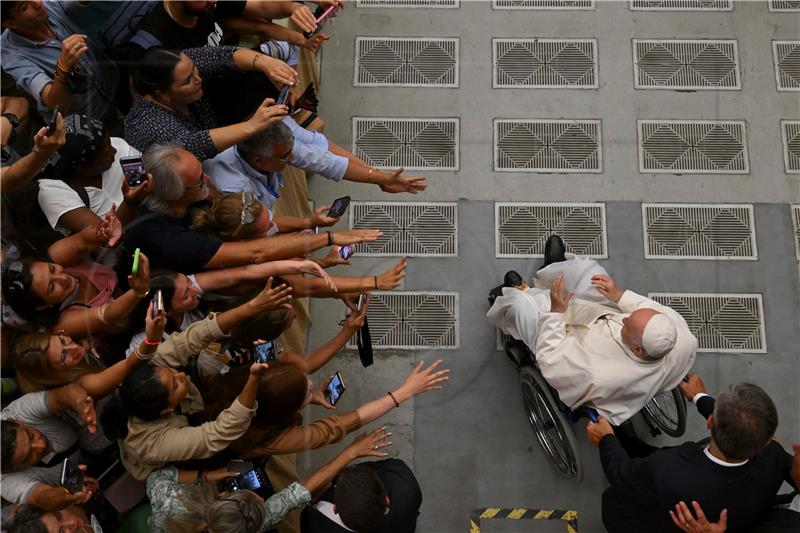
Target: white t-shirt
57, 198
32, 409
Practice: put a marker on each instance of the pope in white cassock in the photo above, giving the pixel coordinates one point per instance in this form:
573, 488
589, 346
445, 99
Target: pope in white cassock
597, 345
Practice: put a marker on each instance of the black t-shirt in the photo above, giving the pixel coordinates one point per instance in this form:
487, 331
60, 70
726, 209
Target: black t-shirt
207, 32
168, 242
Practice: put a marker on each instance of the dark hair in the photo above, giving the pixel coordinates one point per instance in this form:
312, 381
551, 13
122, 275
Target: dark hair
141, 395
28, 519
155, 70
360, 498
281, 393
6, 6
8, 446
18, 293
160, 280
745, 419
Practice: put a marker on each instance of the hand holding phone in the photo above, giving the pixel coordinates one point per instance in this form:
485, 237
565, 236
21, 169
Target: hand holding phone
339, 207
51, 127
158, 303
346, 251
71, 476
361, 299
283, 96
321, 15
335, 388
239, 466
265, 352
133, 170
135, 267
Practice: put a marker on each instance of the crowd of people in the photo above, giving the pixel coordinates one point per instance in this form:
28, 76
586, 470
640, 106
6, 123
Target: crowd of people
149, 271
150, 266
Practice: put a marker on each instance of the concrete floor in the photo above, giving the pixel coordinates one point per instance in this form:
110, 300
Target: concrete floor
470, 444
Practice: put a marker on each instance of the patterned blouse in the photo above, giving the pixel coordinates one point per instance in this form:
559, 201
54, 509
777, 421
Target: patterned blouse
166, 499
149, 123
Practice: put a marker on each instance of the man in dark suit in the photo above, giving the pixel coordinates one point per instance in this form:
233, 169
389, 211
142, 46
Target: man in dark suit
375, 497
739, 468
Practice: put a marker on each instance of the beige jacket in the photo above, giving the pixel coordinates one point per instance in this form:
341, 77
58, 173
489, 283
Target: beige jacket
581, 354
153, 444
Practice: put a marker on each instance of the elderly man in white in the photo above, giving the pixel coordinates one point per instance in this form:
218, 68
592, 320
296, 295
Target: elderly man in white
606, 348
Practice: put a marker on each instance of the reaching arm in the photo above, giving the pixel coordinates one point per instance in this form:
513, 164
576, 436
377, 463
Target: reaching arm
223, 278
44, 146
633, 477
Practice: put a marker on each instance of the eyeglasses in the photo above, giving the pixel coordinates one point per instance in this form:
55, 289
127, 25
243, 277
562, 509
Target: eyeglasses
246, 215
287, 157
65, 340
200, 182
244, 509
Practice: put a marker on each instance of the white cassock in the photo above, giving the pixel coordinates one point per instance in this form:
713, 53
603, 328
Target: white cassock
580, 352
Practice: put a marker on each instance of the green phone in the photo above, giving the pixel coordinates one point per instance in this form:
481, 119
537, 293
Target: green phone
135, 267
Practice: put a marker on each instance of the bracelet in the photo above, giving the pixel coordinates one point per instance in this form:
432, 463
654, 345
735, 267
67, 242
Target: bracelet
101, 314
141, 295
255, 60
393, 399
143, 356
60, 66
376, 282
330, 238
371, 171
58, 76
151, 343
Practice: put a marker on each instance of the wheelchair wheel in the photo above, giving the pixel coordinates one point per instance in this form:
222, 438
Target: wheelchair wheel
667, 411
550, 425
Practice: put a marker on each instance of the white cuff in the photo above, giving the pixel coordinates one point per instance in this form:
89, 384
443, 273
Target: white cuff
698, 396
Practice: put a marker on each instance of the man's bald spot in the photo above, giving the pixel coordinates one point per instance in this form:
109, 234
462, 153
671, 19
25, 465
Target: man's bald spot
638, 321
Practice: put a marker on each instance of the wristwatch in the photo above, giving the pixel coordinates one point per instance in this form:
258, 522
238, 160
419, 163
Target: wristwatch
12, 118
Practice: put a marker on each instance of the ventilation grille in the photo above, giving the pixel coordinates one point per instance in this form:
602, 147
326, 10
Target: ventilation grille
446, 4
545, 63
543, 4
784, 6
420, 229
521, 229
787, 64
796, 227
406, 62
693, 146
413, 143
686, 64
790, 130
682, 5
723, 323
547, 145
691, 231
413, 320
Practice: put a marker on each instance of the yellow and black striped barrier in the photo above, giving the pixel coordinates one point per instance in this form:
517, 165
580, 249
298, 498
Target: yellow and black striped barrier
497, 513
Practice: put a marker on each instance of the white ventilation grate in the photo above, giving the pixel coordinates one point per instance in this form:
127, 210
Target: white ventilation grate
790, 131
413, 320
693, 146
796, 228
694, 64
543, 4
413, 143
442, 4
422, 229
786, 55
784, 6
682, 5
543, 145
723, 323
545, 63
699, 231
521, 229
406, 62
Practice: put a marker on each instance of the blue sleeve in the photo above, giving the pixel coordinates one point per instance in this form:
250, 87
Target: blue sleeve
305, 136
26, 73
315, 159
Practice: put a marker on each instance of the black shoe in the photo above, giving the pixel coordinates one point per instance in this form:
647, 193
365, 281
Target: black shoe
495, 294
512, 279
554, 250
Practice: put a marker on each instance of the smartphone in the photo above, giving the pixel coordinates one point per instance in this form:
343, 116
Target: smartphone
158, 303
283, 96
346, 251
255, 480
52, 126
133, 170
339, 207
71, 476
265, 353
335, 388
321, 15
239, 466
361, 299
135, 267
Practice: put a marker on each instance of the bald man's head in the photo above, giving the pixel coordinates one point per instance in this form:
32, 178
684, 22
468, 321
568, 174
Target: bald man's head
648, 333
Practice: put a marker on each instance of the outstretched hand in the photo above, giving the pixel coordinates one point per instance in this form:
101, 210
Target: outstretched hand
683, 518
607, 287
272, 297
559, 300
399, 183
370, 444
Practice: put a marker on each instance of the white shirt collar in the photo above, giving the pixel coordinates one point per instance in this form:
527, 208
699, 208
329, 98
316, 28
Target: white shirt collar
720, 461
326, 508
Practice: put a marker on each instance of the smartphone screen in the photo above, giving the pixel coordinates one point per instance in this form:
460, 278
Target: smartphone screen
361, 299
237, 465
133, 169
283, 97
265, 353
158, 303
335, 388
71, 476
339, 206
345, 251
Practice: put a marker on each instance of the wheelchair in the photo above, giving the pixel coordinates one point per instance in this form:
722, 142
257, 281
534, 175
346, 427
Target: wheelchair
552, 420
